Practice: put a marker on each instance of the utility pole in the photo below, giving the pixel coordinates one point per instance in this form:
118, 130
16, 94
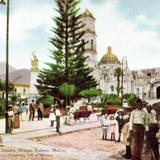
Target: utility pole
2, 2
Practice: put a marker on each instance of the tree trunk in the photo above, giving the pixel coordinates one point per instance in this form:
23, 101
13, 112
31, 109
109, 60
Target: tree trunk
118, 84
3, 94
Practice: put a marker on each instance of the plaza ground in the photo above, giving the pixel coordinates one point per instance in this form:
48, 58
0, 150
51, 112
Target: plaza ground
37, 140
79, 145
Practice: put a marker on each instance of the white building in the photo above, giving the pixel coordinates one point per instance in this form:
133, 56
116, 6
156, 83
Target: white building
90, 36
145, 83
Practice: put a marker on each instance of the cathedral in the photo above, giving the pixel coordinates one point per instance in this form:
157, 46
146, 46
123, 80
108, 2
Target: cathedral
144, 83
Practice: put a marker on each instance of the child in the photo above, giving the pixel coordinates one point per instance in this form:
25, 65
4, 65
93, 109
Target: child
112, 128
104, 124
52, 116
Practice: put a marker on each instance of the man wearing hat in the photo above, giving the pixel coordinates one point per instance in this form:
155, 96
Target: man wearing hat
16, 108
10, 115
120, 121
137, 126
32, 108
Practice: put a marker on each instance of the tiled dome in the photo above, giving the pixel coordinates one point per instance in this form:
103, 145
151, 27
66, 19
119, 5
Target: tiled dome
109, 57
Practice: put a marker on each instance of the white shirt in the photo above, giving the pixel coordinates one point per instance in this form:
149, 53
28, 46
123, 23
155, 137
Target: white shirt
138, 117
151, 117
52, 116
58, 113
10, 113
104, 121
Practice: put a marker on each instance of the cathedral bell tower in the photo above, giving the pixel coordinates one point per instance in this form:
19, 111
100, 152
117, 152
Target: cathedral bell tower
90, 36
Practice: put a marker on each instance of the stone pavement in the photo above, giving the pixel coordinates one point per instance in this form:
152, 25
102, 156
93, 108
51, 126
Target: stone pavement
28, 138
34, 129
44, 125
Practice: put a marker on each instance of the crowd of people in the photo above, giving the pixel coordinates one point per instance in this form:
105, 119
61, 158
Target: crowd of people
136, 128
23, 112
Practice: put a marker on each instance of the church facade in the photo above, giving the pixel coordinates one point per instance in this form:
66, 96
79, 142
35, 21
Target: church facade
144, 83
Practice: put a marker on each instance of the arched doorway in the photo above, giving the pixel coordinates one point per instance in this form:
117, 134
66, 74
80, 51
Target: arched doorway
158, 92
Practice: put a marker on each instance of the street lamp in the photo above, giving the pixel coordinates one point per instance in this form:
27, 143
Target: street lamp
2, 2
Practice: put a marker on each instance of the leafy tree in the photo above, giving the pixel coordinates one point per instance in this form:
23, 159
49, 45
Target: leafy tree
47, 101
110, 99
67, 90
132, 100
14, 98
3, 87
113, 101
90, 93
2, 106
69, 64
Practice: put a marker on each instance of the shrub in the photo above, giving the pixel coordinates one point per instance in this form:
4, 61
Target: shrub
126, 96
98, 105
113, 101
132, 100
2, 106
90, 93
47, 101
14, 98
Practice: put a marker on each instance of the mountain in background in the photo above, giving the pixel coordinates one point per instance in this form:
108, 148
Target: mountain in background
18, 77
3, 68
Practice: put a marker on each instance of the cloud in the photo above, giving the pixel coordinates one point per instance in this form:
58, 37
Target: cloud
146, 21
98, 1
113, 29
27, 16
30, 24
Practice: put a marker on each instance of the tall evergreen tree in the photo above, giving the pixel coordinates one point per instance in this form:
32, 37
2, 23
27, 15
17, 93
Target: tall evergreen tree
68, 52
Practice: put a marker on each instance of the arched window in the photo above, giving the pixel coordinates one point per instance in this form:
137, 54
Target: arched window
91, 44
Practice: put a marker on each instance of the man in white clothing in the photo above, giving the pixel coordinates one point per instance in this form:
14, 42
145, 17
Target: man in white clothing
137, 126
58, 116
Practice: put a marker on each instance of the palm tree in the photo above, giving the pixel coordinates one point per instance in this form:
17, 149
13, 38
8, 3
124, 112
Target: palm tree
118, 74
67, 90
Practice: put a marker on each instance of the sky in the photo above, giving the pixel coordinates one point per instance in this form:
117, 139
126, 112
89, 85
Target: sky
131, 28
